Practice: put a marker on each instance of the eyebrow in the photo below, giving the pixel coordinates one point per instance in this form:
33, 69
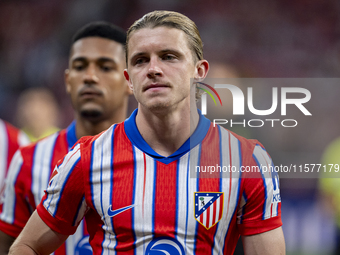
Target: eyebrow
176, 52
101, 59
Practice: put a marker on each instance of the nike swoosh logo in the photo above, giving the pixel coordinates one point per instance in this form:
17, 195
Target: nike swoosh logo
113, 213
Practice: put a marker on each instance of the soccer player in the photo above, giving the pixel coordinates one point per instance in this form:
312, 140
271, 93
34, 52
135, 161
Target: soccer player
99, 94
11, 139
132, 183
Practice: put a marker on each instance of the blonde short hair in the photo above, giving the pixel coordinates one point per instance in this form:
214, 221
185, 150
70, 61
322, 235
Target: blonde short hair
173, 20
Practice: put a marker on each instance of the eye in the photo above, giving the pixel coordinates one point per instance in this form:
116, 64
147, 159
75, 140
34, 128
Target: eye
79, 66
168, 57
139, 61
107, 68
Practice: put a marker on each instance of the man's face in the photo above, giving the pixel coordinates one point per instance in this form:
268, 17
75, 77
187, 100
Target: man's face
95, 78
160, 65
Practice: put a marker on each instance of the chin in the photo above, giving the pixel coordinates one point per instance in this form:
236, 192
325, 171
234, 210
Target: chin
91, 114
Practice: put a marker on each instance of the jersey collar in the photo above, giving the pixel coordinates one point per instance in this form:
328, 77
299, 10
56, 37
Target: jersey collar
71, 136
136, 138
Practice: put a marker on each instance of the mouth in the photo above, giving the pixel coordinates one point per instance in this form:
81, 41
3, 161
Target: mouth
156, 86
90, 92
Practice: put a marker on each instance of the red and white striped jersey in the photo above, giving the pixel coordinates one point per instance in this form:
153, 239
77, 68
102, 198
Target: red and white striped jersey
136, 201
28, 177
11, 139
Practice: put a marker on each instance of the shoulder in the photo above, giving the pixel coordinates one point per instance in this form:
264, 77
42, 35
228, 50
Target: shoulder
9, 133
9, 126
332, 151
248, 146
86, 143
51, 139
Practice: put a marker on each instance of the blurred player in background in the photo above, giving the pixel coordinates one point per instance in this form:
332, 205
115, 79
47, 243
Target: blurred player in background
11, 139
99, 94
38, 113
329, 185
132, 182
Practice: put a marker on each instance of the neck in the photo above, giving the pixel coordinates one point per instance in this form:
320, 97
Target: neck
86, 127
165, 133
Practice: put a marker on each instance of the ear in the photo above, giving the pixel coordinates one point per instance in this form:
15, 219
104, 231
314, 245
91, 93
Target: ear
128, 90
127, 78
202, 68
68, 87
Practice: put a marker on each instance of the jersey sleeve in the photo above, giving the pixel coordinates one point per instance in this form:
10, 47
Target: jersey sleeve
260, 206
16, 207
63, 205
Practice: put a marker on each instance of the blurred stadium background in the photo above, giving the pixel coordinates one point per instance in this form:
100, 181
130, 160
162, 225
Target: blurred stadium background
265, 39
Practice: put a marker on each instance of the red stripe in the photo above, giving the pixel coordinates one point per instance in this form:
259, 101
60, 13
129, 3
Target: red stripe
123, 182
21, 210
271, 210
95, 227
60, 149
232, 236
61, 250
230, 179
208, 217
214, 212
92, 217
12, 139
221, 207
209, 157
165, 199
279, 209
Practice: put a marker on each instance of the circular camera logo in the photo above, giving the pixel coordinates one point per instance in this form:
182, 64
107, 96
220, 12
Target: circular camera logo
164, 245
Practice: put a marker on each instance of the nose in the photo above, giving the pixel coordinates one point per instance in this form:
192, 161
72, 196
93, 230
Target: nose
91, 76
154, 68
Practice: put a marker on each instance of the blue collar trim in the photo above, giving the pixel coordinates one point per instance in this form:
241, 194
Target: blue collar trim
136, 138
71, 136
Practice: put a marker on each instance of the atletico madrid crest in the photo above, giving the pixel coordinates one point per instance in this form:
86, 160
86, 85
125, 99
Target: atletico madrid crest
208, 208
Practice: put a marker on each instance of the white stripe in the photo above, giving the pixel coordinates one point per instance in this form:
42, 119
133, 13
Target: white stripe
182, 204
138, 209
263, 159
149, 196
229, 204
275, 209
8, 209
217, 203
101, 178
95, 175
23, 139
3, 152
205, 218
223, 227
59, 180
41, 166
192, 182
240, 214
82, 212
211, 216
